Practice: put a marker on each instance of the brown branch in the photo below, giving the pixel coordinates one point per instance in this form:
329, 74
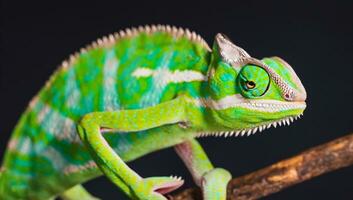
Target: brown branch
309, 164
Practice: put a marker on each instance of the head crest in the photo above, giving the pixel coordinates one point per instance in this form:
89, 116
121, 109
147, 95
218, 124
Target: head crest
229, 52
238, 57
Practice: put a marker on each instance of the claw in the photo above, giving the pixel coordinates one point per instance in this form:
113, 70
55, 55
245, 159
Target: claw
163, 185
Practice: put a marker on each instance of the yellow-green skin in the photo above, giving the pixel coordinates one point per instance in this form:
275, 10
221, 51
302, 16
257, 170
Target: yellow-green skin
138, 92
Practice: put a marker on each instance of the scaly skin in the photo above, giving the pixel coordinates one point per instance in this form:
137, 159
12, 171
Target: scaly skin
136, 92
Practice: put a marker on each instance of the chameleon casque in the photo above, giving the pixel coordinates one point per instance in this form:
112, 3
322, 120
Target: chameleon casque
139, 91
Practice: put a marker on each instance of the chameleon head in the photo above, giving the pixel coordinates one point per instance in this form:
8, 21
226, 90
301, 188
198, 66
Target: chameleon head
249, 95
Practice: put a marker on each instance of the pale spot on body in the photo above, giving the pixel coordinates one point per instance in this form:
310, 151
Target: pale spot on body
70, 169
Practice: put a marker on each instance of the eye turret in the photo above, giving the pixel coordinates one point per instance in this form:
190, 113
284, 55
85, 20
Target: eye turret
253, 81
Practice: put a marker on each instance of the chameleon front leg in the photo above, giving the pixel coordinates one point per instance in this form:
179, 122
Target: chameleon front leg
213, 181
111, 164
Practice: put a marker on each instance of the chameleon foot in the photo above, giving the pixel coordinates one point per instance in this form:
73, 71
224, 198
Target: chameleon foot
214, 184
153, 188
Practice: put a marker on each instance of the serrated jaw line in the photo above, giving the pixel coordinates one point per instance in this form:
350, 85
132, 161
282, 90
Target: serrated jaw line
251, 131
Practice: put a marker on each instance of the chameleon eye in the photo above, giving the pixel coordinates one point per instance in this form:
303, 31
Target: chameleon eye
253, 81
250, 85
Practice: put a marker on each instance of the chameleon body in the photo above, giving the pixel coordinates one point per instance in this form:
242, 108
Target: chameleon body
139, 91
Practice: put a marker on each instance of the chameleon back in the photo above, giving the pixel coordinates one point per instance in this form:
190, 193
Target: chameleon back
130, 70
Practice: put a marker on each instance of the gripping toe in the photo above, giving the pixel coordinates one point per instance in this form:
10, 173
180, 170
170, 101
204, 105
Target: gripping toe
163, 185
154, 188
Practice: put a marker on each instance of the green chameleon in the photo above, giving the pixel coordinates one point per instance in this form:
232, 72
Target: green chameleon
139, 91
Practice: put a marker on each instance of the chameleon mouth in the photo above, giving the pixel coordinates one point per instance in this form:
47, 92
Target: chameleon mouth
252, 130
238, 101
169, 186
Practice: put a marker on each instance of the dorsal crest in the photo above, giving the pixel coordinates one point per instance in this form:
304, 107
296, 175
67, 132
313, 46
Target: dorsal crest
111, 39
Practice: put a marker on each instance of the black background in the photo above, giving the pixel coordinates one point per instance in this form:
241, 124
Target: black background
315, 37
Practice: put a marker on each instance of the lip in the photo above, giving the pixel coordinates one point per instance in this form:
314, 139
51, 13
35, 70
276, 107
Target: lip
273, 106
237, 100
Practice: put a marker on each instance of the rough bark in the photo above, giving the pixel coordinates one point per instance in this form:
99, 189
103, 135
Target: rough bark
308, 164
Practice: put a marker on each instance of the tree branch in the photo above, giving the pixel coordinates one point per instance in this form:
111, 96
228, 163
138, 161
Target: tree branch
309, 164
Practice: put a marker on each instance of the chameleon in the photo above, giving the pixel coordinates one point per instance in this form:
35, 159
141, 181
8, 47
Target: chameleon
137, 91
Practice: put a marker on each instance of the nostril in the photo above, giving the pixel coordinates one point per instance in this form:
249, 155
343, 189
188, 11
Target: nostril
289, 95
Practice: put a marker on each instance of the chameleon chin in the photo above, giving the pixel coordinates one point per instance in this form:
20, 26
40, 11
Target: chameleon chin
139, 91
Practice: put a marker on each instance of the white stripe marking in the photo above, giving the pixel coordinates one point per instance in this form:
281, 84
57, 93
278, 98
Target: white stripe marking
53, 122
53, 155
153, 98
142, 72
72, 90
166, 76
78, 168
25, 146
22, 145
111, 100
